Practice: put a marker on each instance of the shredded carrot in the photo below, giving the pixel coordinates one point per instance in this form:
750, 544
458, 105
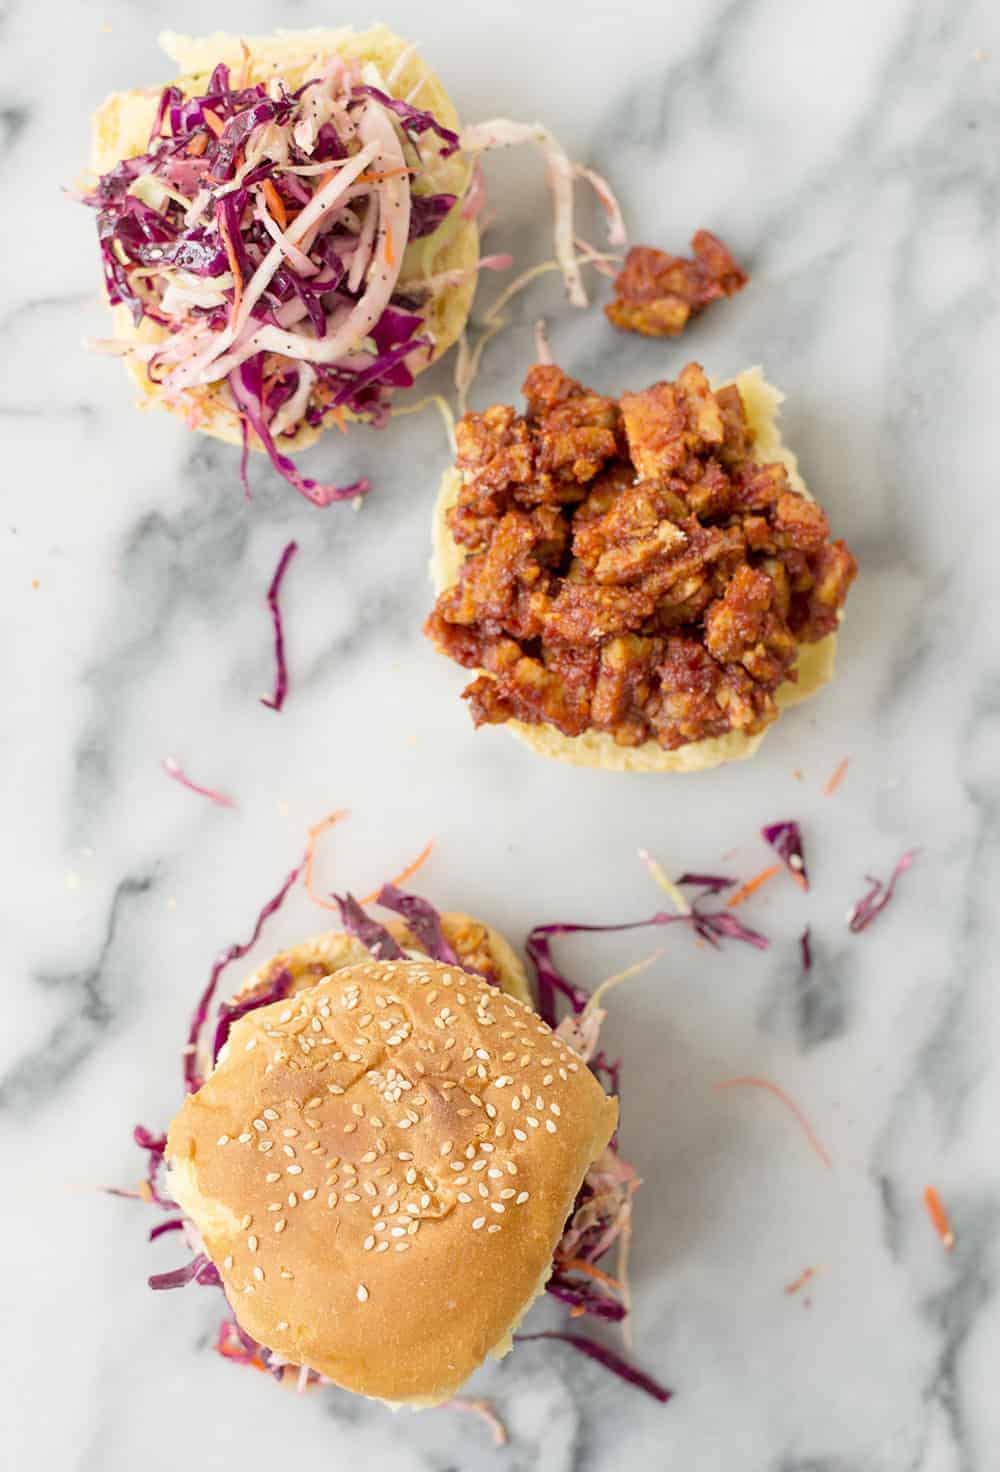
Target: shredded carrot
577, 1311
198, 145
800, 1281
939, 1217
579, 1265
234, 264
310, 856
146, 1192
403, 874
216, 124
793, 1108
390, 254
837, 776
752, 885
275, 204
339, 418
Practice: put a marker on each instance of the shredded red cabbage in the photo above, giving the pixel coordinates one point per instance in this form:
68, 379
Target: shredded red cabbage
193, 1079
786, 840
277, 700
606, 1357
276, 990
199, 1270
874, 902
585, 1296
710, 883
414, 120
247, 384
368, 931
805, 946
423, 919
712, 926
174, 1224
427, 211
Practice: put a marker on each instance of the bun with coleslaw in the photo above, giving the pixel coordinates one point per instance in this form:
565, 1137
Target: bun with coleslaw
288, 232
386, 1155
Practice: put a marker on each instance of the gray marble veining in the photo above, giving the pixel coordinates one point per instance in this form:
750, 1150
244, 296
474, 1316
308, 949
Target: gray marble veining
849, 154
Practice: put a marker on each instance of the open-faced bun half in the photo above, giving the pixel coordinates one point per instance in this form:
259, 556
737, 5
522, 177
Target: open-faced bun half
815, 662
121, 128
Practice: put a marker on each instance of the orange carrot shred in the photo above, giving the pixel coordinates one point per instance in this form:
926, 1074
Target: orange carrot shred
837, 776
779, 1093
390, 254
234, 264
197, 145
275, 204
577, 1311
579, 1265
307, 867
403, 874
939, 1217
800, 1281
339, 418
216, 124
752, 885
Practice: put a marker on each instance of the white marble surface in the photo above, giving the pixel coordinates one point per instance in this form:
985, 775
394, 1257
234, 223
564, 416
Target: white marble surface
849, 154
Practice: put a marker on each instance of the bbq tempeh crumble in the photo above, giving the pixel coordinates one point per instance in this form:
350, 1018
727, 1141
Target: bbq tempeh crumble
630, 566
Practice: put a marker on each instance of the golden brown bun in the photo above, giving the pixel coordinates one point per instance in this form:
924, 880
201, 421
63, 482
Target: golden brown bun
381, 1168
121, 128
597, 748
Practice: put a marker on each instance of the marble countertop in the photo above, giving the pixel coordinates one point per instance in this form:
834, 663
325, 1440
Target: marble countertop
849, 155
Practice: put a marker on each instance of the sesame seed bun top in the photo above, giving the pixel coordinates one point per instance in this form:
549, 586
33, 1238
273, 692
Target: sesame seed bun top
381, 1167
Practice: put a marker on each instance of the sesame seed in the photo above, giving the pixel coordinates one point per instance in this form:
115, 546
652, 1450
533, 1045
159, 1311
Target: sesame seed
331, 1200
520, 1135
400, 1246
308, 1195
368, 1243
227, 1262
252, 1242
494, 1228
507, 1193
522, 1198
246, 1222
362, 1294
259, 1125
270, 1114
497, 1206
265, 1145
282, 1324
464, 1197
550, 1127
280, 1224
293, 1170
293, 1200
222, 1140
479, 1222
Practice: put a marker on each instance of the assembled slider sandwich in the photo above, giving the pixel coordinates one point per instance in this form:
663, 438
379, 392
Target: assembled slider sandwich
386, 1155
